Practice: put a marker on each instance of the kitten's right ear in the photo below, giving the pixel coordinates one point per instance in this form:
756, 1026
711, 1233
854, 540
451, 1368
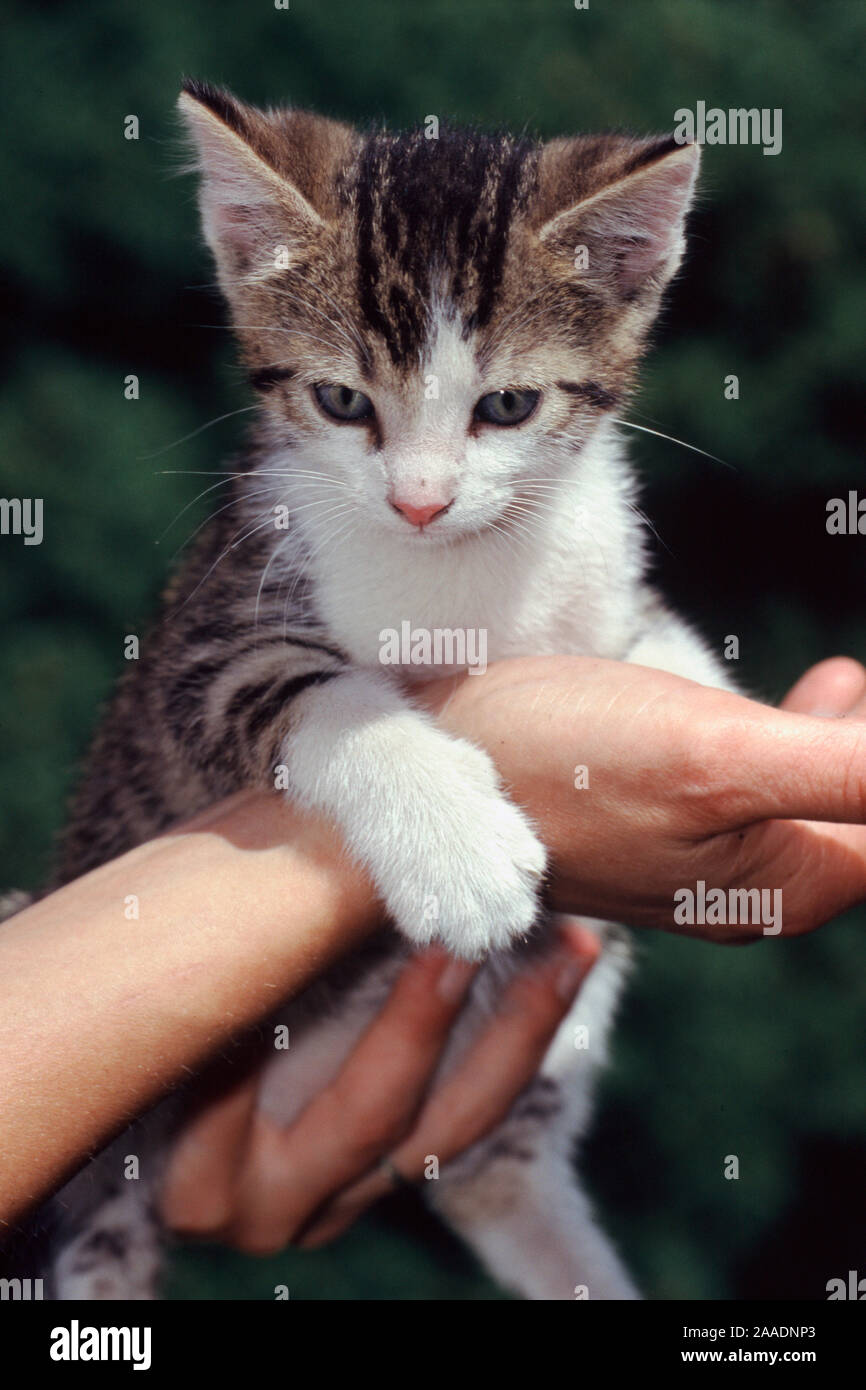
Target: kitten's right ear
257, 215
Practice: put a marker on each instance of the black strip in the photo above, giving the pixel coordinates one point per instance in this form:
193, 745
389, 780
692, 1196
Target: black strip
221, 103
248, 696
655, 149
496, 240
538, 1110
315, 647
184, 698
212, 630
264, 378
276, 702
590, 391
370, 173
419, 205
511, 1148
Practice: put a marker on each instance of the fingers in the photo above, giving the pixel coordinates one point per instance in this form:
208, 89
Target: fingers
506, 1057
789, 776
819, 867
820, 870
197, 1193
483, 1088
289, 1173
768, 764
829, 689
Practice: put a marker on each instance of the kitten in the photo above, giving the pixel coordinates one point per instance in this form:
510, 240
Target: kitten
441, 332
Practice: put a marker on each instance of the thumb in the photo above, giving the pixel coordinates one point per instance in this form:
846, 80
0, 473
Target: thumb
821, 869
778, 765
829, 689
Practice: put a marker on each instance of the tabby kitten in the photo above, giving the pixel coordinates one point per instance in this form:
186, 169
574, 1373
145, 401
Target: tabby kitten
441, 331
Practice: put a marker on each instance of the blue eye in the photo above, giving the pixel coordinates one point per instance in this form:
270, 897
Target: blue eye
343, 403
509, 407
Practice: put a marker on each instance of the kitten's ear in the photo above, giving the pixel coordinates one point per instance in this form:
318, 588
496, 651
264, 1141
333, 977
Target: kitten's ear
265, 185
624, 201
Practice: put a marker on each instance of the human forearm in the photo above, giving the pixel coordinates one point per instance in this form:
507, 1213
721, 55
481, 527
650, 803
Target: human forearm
236, 911
246, 905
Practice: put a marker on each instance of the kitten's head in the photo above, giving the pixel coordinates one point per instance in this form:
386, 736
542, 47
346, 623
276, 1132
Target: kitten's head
441, 319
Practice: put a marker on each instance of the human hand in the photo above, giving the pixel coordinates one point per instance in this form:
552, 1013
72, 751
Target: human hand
686, 783
237, 1176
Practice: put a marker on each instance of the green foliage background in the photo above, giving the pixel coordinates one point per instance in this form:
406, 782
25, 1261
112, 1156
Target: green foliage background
759, 1052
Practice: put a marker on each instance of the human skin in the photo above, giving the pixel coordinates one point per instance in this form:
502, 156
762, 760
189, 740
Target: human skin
680, 777
686, 782
237, 1176
99, 1015
682, 782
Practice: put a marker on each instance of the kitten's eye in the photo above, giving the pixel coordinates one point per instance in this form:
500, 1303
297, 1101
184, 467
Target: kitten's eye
343, 403
506, 407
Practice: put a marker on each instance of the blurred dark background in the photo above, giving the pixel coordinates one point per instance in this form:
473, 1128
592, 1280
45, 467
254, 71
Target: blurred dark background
758, 1052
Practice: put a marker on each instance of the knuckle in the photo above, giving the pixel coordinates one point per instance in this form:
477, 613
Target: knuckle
260, 1243
707, 774
539, 1008
371, 1124
202, 1214
853, 789
376, 1130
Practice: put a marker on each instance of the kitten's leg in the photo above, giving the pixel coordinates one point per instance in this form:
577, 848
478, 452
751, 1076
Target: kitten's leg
117, 1255
667, 643
515, 1196
452, 858
523, 1213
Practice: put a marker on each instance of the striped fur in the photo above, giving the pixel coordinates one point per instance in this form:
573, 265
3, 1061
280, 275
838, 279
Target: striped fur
389, 262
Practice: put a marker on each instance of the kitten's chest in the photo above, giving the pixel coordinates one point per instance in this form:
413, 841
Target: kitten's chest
452, 608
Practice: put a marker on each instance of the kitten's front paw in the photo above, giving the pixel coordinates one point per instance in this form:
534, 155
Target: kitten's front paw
472, 882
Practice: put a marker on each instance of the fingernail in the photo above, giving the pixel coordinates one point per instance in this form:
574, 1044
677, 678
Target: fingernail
578, 952
569, 975
455, 980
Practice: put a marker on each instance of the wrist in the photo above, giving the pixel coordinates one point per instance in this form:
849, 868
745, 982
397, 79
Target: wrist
279, 874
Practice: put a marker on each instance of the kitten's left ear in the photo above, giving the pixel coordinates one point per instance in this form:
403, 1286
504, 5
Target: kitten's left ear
624, 201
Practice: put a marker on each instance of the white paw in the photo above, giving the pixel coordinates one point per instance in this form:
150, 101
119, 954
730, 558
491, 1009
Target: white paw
464, 865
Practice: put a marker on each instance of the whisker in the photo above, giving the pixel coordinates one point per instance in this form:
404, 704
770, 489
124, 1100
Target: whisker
346, 322
642, 516
230, 477
512, 541
252, 473
345, 317
262, 492
671, 440
521, 308
275, 328
269, 521
279, 548
555, 509
304, 570
162, 535
145, 458
316, 310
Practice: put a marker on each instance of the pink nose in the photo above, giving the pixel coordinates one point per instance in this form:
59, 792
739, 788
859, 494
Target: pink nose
420, 516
